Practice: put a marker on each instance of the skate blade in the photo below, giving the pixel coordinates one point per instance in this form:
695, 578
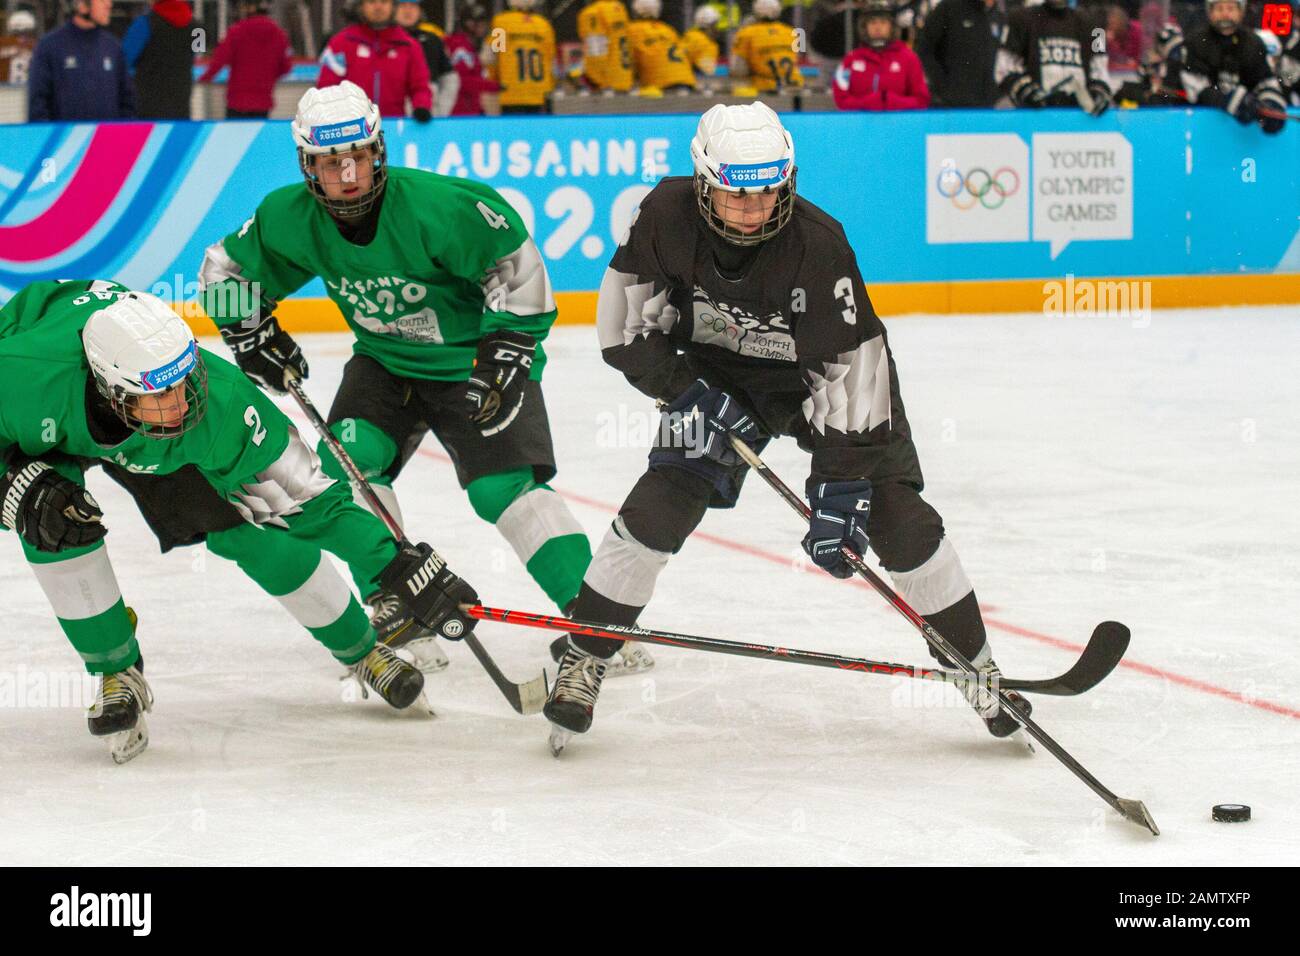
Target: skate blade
626, 665
559, 739
423, 703
425, 655
129, 744
1023, 740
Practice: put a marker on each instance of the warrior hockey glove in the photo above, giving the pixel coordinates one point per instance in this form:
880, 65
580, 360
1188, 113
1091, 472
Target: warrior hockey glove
702, 419
839, 516
265, 353
51, 512
422, 581
496, 387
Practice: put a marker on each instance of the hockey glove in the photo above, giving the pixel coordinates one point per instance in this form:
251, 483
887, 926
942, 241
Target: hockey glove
1101, 98
702, 419
839, 517
1026, 93
51, 512
1244, 107
496, 386
421, 115
423, 582
265, 353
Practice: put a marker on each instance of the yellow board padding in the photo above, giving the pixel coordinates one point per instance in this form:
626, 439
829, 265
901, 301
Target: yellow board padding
901, 298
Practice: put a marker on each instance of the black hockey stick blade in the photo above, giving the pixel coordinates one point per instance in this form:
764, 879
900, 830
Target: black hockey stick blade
1135, 811
526, 698
1105, 650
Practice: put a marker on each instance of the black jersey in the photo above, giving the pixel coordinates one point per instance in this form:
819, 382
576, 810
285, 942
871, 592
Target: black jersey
1219, 70
791, 334
1053, 49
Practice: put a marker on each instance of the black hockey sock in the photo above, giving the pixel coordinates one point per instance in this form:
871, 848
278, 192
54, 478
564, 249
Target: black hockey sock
963, 626
593, 606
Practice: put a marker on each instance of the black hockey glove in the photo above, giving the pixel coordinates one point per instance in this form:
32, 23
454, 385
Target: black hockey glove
839, 516
51, 512
1027, 93
421, 115
703, 418
265, 353
1244, 108
1101, 98
496, 386
423, 582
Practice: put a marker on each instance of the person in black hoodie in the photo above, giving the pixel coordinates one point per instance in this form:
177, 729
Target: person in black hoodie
1047, 58
159, 48
958, 47
78, 71
1226, 66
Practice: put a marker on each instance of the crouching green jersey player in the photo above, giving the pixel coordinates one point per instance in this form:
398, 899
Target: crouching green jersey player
91, 371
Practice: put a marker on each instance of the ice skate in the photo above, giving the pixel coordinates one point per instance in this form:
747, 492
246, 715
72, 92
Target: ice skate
632, 658
395, 680
573, 696
983, 697
398, 629
119, 710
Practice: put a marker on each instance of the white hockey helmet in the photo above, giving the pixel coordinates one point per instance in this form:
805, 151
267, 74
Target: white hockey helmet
333, 120
706, 18
767, 9
21, 21
648, 9
741, 149
137, 346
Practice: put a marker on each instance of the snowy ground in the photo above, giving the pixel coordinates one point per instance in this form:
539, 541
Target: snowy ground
1086, 469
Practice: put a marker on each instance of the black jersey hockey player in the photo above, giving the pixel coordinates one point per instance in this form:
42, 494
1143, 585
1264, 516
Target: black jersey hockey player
1226, 66
740, 305
1048, 57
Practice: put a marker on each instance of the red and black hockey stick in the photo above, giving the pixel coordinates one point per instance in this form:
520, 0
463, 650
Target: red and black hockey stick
1132, 810
1098, 659
526, 698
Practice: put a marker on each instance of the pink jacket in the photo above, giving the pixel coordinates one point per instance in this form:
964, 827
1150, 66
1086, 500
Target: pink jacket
388, 64
257, 52
887, 79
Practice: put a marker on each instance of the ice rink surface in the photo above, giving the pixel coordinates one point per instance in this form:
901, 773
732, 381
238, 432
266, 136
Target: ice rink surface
1086, 469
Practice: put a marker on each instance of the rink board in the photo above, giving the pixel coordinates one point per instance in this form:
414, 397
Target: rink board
948, 211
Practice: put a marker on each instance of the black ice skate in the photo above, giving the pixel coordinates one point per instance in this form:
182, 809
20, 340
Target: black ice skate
631, 658
398, 629
393, 679
573, 697
119, 710
983, 697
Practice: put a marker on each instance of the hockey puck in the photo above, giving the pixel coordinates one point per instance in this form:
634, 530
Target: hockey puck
1231, 813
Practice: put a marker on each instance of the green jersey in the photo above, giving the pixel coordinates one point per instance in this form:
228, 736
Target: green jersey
450, 263
245, 447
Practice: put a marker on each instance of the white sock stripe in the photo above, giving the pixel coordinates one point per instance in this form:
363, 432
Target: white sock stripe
623, 569
940, 582
532, 519
321, 599
80, 587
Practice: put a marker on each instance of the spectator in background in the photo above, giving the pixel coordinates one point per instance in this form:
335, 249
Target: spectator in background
521, 57
883, 73
763, 52
1047, 58
410, 17
78, 71
658, 54
381, 58
16, 46
1226, 66
606, 53
159, 48
257, 52
701, 41
1123, 43
462, 48
958, 46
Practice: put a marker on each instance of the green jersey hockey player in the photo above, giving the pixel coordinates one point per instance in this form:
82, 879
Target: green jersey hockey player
450, 302
91, 371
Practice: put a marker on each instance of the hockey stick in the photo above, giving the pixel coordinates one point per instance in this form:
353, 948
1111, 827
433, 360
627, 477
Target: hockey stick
526, 698
1099, 658
1132, 810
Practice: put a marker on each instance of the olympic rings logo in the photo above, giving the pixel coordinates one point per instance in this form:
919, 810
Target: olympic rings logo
983, 188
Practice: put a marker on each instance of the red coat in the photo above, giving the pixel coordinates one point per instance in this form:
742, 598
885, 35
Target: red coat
387, 64
257, 52
890, 78
464, 57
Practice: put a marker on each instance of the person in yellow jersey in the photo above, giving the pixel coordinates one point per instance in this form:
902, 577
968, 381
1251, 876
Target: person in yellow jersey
520, 56
701, 41
606, 53
658, 54
764, 53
